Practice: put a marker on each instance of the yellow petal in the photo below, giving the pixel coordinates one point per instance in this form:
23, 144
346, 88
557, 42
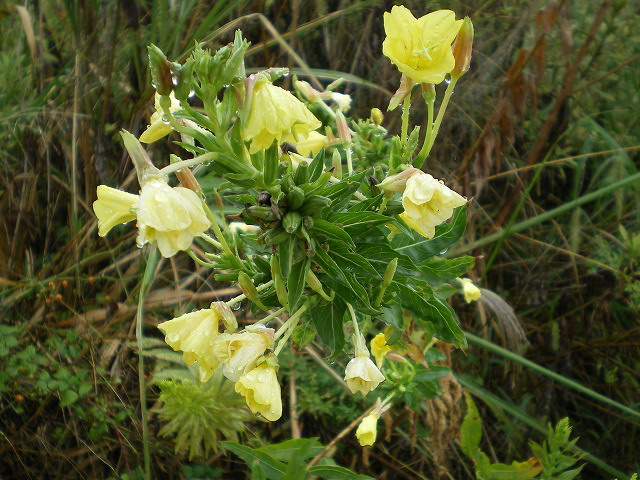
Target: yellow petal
113, 207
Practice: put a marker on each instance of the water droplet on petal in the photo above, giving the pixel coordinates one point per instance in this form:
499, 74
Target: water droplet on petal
173, 337
236, 306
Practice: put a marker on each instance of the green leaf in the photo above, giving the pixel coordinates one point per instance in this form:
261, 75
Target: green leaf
380, 254
303, 334
316, 166
328, 318
351, 260
515, 471
67, 397
296, 468
471, 428
392, 315
296, 282
426, 307
358, 222
257, 472
328, 230
439, 270
286, 450
419, 248
334, 472
273, 469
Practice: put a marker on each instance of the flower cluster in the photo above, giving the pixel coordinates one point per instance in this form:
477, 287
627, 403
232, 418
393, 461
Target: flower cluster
311, 242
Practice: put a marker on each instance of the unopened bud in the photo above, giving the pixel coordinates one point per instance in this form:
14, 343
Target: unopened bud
278, 282
186, 176
160, 71
316, 285
428, 92
336, 162
343, 129
406, 84
141, 161
390, 272
250, 290
462, 48
226, 315
376, 116
397, 182
342, 100
307, 90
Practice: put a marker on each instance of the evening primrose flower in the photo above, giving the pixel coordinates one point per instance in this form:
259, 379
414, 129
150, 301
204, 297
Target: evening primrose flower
367, 430
276, 115
427, 203
469, 290
261, 390
310, 146
361, 373
421, 48
193, 334
379, 348
113, 207
239, 352
158, 127
171, 217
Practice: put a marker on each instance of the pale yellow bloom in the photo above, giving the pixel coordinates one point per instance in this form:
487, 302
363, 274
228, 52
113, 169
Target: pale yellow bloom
421, 48
261, 390
470, 291
194, 334
314, 142
239, 352
276, 115
379, 348
113, 207
169, 216
158, 127
427, 203
367, 430
361, 373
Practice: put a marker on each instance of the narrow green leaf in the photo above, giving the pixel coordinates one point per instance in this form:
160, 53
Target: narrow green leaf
328, 318
296, 282
471, 428
334, 472
328, 230
272, 467
439, 270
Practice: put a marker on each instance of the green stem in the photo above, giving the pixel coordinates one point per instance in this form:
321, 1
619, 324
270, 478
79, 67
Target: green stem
406, 106
424, 153
287, 328
198, 261
213, 242
270, 317
174, 167
383, 205
349, 160
242, 296
147, 279
475, 340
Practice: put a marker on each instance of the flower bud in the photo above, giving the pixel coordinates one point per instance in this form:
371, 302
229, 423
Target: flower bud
141, 161
343, 129
469, 290
250, 290
315, 285
226, 315
376, 116
307, 91
397, 182
160, 70
379, 348
462, 48
367, 430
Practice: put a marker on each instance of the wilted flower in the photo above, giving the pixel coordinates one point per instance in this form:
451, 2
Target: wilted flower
310, 146
379, 348
113, 207
158, 127
397, 182
462, 48
342, 100
169, 216
367, 430
261, 390
469, 290
421, 48
276, 115
361, 373
239, 352
193, 334
427, 203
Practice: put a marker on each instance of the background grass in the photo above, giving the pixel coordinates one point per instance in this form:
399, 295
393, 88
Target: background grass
547, 115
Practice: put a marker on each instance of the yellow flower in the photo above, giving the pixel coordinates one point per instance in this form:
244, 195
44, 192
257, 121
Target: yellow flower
470, 291
379, 348
261, 390
427, 203
314, 142
113, 207
169, 216
421, 48
367, 429
158, 128
276, 115
239, 352
361, 373
193, 334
